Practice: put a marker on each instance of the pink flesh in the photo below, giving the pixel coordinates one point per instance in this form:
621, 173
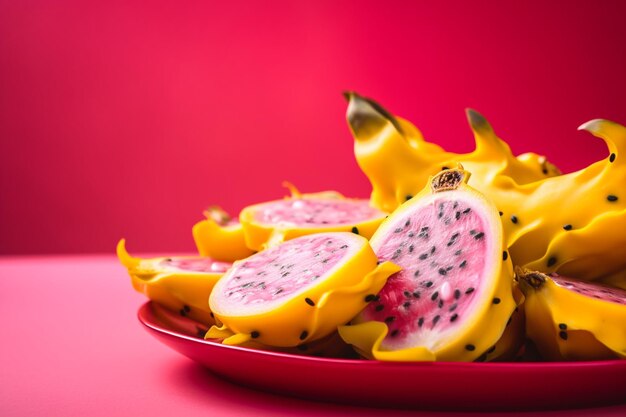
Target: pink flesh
317, 212
196, 264
279, 272
436, 291
591, 289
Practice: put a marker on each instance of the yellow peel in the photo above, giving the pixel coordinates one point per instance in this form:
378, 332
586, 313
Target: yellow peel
592, 328
217, 239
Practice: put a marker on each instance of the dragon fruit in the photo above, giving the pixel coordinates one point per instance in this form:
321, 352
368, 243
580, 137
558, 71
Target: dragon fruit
181, 284
585, 241
304, 214
569, 319
297, 292
398, 161
453, 298
220, 237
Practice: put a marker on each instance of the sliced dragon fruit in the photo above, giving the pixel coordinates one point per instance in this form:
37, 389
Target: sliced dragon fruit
181, 284
453, 297
305, 214
568, 319
297, 292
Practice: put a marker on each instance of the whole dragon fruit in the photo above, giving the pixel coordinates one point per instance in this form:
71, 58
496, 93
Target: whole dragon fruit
453, 298
181, 284
297, 292
586, 240
569, 319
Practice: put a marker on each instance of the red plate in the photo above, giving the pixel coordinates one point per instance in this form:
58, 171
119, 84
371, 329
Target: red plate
418, 385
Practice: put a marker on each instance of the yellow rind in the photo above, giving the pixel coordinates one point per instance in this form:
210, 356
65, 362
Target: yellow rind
259, 236
483, 329
541, 204
220, 242
596, 329
184, 292
337, 299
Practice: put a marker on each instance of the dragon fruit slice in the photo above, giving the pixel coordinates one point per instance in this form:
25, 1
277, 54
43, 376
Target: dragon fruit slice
453, 298
305, 214
297, 292
220, 237
568, 319
180, 284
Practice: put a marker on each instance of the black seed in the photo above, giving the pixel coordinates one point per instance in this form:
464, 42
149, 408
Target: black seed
491, 349
457, 215
182, 312
278, 291
455, 205
479, 236
467, 210
436, 319
432, 250
457, 294
611, 197
284, 274
212, 315
254, 334
562, 326
545, 171
411, 234
472, 232
469, 290
444, 168
406, 304
505, 255
496, 300
304, 335
551, 261
411, 248
453, 239
454, 317
425, 229
416, 273
567, 227
457, 253
612, 158
428, 284
416, 294
398, 230
500, 213
407, 223
186, 308
462, 264
379, 307
434, 296
453, 307
423, 256
449, 268
355, 230
420, 322
407, 294
309, 301
343, 247
470, 347
442, 271
440, 303
514, 219
390, 319
369, 298
408, 197
395, 333
563, 335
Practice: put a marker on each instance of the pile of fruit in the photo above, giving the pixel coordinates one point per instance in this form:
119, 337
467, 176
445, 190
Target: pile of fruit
455, 257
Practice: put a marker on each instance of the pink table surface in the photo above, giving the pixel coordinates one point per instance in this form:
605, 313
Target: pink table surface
72, 346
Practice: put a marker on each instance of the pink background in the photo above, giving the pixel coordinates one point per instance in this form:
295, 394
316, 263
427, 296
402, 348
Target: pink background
128, 118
